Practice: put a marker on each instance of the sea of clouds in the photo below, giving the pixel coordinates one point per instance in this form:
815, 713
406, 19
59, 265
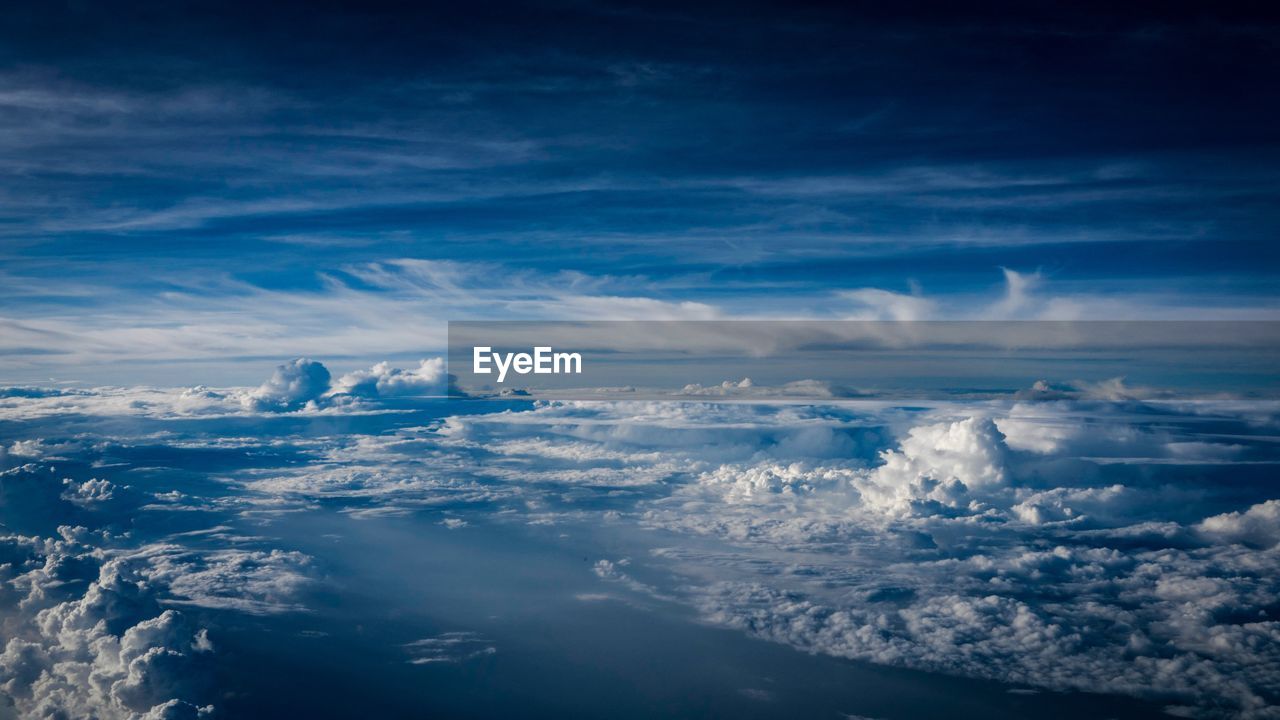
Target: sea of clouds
1072, 536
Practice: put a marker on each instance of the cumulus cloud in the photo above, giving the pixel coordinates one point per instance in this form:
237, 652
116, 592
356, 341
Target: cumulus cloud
1259, 526
949, 467
200, 400
773, 482
291, 387
307, 384
108, 652
724, 388
382, 380
91, 492
1070, 504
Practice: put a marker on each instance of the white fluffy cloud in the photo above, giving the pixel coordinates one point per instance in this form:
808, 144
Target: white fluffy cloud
306, 384
1259, 526
106, 652
382, 380
290, 387
954, 466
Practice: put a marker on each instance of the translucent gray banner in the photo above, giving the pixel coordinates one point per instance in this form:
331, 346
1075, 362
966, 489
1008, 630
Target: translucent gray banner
782, 360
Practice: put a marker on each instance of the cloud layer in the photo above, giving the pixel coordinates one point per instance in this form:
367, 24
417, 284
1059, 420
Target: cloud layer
1072, 536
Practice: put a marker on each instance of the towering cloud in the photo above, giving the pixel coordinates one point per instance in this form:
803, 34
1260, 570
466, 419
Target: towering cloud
290, 387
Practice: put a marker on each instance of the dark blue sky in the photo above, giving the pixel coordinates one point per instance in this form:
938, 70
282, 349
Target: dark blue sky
218, 181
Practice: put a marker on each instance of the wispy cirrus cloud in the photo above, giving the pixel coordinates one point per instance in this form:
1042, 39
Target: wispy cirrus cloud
399, 308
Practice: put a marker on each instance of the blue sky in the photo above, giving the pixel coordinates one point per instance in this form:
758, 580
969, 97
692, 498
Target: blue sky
190, 184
